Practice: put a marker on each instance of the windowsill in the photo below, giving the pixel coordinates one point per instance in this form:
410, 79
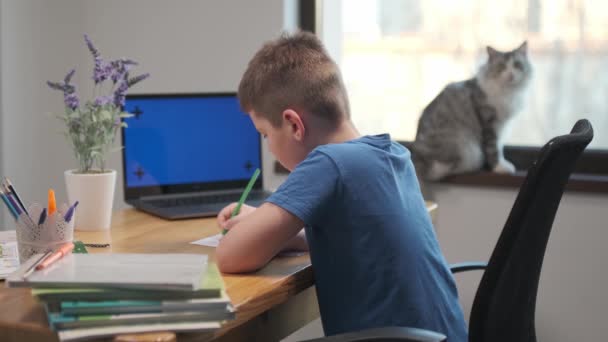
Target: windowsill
581, 182
578, 181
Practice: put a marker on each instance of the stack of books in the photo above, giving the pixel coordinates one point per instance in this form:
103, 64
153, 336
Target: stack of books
96, 295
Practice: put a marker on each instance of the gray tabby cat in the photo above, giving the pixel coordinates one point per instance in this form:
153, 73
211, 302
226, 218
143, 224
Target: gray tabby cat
462, 129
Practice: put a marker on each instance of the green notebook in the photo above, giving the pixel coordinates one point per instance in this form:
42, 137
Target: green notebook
59, 321
114, 307
211, 286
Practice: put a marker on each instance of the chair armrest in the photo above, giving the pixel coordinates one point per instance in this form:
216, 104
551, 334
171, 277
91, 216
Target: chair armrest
385, 334
468, 266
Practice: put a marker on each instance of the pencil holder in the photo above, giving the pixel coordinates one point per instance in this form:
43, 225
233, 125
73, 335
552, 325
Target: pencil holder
34, 237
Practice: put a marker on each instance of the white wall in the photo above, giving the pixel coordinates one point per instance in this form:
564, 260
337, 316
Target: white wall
187, 46
571, 301
40, 41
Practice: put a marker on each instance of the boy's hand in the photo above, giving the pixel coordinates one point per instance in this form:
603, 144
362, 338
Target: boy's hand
224, 219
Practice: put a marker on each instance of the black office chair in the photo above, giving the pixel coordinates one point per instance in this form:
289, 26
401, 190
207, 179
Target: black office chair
505, 302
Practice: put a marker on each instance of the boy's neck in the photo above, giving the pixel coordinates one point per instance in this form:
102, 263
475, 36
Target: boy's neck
346, 131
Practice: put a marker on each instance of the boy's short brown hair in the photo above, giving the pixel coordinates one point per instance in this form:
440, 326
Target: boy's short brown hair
294, 71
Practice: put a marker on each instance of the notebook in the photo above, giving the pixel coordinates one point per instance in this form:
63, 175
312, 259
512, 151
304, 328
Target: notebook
87, 333
141, 271
211, 286
141, 306
189, 155
60, 322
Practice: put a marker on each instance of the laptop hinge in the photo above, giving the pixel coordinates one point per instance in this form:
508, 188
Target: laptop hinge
194, 194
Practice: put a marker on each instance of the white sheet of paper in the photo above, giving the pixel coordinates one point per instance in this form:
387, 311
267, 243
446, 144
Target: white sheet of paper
214, 240
9, 256
8, 235
210, 241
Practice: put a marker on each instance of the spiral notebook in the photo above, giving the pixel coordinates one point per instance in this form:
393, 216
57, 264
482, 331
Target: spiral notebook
142, 271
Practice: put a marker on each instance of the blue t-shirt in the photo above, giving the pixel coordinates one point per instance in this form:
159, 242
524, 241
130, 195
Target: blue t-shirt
374, 253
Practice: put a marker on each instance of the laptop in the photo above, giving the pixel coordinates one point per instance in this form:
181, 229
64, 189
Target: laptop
189, 155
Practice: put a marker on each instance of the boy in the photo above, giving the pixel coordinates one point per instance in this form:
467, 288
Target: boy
372, 246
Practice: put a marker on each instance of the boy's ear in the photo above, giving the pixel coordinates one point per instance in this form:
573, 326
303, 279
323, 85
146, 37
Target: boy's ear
294, 123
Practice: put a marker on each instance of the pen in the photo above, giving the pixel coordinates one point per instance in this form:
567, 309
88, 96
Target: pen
11, 188
237, 209
70, 212
8, 205
58, 254
52, 204
13, 204
35, 264
4, 188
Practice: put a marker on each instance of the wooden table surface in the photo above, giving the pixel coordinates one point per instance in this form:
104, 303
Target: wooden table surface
272, 302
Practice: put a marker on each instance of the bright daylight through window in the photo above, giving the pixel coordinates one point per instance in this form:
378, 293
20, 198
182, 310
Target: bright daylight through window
397, 55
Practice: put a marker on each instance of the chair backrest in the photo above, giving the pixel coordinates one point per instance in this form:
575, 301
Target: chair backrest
504, 306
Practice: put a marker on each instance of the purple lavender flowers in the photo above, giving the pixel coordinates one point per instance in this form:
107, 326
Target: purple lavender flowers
116, 70
120, 68
102, 70
70, 97
103, 100
125, 84
91, 47
92, 127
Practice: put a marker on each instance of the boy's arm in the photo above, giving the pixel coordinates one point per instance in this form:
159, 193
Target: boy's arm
257, 238
297, 243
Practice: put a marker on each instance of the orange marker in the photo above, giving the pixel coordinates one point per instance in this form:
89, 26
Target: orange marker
52, 203
58, 254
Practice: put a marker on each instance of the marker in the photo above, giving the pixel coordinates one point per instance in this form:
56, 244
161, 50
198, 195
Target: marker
52, 204
70, 212
58, 254
237, 209
42, 217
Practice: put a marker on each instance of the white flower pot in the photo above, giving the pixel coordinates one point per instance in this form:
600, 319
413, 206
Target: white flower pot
95, 194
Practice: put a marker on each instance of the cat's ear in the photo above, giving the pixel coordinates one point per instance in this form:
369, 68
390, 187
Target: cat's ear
523, 48
492, 52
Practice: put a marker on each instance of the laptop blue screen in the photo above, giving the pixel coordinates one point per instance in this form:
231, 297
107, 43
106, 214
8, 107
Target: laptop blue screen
174, 139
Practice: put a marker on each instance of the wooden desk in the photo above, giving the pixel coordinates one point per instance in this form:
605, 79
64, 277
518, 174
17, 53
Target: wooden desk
270, 304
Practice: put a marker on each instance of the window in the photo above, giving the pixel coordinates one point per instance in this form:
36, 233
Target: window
397, 55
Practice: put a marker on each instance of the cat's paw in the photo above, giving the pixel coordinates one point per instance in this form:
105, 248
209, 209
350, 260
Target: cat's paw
504, 166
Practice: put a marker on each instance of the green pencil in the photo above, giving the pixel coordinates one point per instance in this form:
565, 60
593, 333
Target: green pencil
237, 209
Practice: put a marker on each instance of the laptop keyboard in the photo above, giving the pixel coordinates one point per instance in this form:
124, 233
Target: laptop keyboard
199, 200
